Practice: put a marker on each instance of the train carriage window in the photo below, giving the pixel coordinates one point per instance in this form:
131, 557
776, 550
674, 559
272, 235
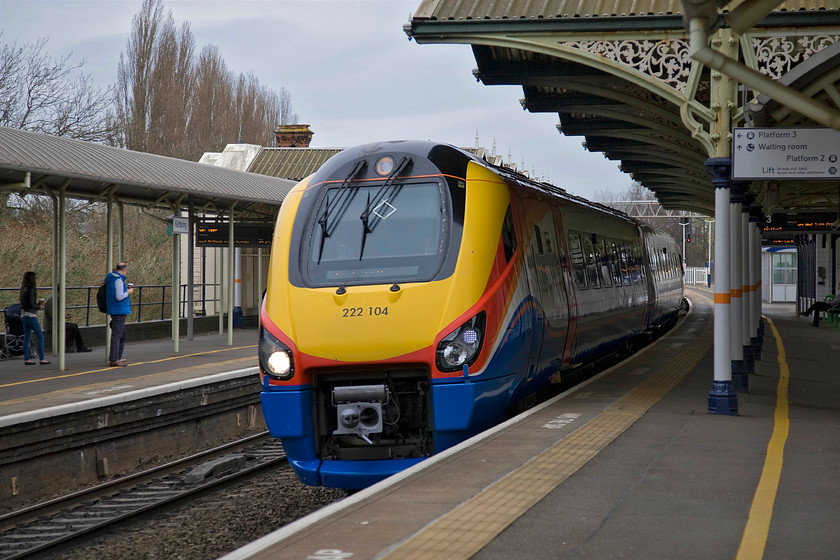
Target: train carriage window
654, 259
638, 276
508, 235
625, 266
538, 238
578, 262
603, 260
591, 261
615, 263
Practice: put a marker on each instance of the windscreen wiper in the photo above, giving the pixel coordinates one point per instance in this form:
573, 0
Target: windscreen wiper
342, 204
323, 222
380, 194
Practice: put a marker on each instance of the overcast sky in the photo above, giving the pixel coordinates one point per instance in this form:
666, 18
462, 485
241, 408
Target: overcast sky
351, 71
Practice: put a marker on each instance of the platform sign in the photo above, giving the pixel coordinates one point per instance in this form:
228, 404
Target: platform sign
785, 153
180, 225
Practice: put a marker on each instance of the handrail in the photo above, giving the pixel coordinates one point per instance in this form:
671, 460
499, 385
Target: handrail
87, 301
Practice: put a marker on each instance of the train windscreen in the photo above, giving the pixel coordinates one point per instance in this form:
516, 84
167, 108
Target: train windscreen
378, 234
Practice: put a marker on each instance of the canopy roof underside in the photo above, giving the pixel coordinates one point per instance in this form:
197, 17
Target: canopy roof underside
620, 75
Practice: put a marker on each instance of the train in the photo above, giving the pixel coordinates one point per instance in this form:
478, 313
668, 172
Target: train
417, 295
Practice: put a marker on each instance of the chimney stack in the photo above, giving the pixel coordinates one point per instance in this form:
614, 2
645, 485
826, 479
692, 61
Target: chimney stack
293, 136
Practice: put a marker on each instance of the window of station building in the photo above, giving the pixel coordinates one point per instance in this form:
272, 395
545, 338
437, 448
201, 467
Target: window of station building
578, 262
591, 261
784, 268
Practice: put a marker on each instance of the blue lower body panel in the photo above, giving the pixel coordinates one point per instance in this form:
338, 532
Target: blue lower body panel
461, 409
360, 474
464, 409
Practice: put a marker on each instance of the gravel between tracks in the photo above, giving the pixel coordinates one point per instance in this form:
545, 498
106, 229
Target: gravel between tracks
214, 525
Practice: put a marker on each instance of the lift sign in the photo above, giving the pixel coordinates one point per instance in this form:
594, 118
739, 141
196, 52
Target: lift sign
785, 153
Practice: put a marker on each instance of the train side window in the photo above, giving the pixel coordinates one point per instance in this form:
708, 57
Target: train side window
622, 259
578, 263
591, 261
538, 238
638, 275
603, 260
508, 235
615, 263
654, 260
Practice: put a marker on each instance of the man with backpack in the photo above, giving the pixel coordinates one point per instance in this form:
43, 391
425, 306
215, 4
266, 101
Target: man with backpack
118, 306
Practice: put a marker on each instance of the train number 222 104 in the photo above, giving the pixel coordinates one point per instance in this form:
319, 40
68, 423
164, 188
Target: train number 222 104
362, 311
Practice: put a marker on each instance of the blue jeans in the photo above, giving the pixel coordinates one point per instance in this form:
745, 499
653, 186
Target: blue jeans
115, 352
31, 325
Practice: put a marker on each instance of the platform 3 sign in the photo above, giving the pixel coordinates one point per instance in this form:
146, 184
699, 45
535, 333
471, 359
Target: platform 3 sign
785, 153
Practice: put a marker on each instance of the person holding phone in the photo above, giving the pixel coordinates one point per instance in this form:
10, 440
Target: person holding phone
117, 293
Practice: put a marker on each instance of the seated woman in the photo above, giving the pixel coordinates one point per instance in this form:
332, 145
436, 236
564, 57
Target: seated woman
72, 334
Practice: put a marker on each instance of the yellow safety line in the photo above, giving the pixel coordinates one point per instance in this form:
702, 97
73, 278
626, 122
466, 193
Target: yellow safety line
130, 365
468, 528
758, 524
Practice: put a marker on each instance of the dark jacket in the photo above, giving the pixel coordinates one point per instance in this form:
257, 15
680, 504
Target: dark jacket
29, 299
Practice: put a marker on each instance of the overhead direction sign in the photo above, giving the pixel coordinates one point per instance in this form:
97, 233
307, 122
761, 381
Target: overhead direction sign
785, 153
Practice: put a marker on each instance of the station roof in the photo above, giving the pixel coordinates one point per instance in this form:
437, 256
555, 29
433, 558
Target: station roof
618, 73
290, 163
92, 171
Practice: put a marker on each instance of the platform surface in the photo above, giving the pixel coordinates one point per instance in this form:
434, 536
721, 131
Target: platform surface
630, 465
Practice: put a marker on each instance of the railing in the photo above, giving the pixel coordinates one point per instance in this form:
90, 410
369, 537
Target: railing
147, 302
697, 275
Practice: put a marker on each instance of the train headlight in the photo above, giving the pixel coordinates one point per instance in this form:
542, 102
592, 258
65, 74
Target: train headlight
275, 357
461, 346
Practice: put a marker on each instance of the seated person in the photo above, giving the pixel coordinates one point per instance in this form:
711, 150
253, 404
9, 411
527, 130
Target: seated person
72, 334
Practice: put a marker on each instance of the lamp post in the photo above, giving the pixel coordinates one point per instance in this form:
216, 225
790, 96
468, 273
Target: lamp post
709, 262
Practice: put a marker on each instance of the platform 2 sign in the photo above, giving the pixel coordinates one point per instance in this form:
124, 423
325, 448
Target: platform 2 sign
785, 153
245, 235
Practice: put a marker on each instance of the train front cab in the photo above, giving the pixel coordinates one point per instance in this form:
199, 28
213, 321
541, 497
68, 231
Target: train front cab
462, 401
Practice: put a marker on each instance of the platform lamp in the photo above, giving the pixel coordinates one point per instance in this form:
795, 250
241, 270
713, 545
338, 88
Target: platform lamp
709, 262
685, 224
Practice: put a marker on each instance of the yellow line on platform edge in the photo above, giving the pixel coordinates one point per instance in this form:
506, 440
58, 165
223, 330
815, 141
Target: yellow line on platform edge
134, 364
754, 539
457, 536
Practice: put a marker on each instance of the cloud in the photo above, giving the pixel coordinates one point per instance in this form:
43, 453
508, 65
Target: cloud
351, 71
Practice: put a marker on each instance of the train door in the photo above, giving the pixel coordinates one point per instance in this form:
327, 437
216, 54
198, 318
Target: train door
551, 293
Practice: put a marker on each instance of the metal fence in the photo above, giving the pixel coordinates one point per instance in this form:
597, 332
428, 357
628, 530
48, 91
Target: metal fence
697, 275
149, 302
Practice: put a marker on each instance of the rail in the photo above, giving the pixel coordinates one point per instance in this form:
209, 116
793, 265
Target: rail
148, 302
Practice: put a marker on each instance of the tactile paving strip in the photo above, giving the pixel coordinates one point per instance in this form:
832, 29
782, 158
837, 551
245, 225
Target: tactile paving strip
468, 528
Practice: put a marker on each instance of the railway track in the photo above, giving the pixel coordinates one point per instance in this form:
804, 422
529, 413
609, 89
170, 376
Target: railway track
59, 523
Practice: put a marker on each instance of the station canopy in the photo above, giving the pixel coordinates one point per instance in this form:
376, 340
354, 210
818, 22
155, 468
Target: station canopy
41, 164
620, 75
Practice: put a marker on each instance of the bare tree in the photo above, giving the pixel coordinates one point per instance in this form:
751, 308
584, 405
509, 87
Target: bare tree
134, 73
174, 103
43, 94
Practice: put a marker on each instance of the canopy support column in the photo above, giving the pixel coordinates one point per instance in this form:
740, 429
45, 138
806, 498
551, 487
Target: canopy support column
740, 377
722, 397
